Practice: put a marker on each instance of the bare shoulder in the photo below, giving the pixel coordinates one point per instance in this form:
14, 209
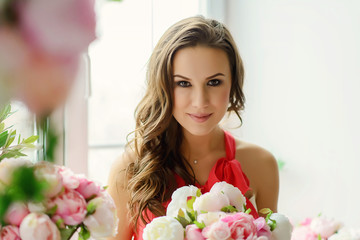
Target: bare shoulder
250, 154
260, 166
119, 166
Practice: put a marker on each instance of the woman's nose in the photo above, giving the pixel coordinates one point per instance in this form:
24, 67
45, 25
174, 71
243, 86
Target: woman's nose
200, 98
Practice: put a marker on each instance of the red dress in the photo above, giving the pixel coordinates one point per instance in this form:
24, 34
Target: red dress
226, 169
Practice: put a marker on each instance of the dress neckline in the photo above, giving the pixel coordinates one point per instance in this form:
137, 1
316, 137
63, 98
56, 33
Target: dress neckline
229, 155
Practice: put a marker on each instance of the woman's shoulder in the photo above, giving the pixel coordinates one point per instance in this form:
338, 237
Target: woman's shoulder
119, 166
251, 153
258, 164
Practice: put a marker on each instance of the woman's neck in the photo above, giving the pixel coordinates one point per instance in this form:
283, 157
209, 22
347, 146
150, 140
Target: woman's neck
195, 147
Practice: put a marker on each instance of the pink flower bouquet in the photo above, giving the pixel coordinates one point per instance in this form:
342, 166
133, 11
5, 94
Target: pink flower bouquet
71, 203
220, 214
323, 228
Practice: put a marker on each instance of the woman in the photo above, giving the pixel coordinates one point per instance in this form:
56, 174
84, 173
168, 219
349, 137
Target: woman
195, 75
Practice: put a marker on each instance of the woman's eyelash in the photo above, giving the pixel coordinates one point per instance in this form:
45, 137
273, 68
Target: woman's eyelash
183, 84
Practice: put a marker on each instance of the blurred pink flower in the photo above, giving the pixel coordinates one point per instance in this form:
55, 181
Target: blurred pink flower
71, 207
103, 222
16, 213
38, 226
62, 28
88, 188
48, 172
10, 233
241, 225
303, 233
324, 227
70, 180
193, 233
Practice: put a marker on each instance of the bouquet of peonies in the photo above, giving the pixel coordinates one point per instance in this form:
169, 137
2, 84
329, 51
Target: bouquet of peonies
66, 203
323, 228
218, 214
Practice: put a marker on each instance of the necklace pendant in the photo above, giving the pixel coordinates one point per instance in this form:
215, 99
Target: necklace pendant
195, 161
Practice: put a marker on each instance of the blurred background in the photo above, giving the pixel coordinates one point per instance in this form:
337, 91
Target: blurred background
302, 71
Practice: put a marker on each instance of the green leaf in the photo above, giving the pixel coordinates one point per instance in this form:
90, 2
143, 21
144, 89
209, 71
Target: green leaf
2, 126
12, 153
52, 210
5, 201
183, 221
84, 233
90, 208
229, 209
319, 237
66, 233
198, 193
31, 139
25, 186
19, 139
191, 216
10, 138
190, 202
5, 112
199, 225
3, 138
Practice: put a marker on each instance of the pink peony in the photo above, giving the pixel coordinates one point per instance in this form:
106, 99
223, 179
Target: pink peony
45, 24
193, 233
88, 188
217, 231
324, 227
303, 233
10, 233
16, 213
103, 222
38, 226
262, 228
241, 225
70, 180
71, 207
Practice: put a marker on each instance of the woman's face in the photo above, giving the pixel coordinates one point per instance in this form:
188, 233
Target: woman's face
202, 82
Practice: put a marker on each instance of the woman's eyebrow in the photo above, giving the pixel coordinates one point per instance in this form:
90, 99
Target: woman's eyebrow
215, 75
212, 76
180, 76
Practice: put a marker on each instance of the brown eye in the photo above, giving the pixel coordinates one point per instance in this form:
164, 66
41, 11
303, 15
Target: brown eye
214, 82
183, 84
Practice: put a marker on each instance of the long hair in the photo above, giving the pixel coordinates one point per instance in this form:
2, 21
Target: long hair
158, 136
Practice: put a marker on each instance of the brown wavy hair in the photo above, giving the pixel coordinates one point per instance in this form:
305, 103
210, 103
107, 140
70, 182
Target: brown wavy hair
158, 136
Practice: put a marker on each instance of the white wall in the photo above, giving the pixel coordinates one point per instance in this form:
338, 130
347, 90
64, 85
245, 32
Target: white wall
302, 64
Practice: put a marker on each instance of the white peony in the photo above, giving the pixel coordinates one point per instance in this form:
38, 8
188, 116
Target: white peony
234, 194
164, 228
210, 217
283, 228
179, 199
346, 234
211, 202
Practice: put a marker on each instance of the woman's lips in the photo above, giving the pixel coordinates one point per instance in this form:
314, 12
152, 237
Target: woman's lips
200, 118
